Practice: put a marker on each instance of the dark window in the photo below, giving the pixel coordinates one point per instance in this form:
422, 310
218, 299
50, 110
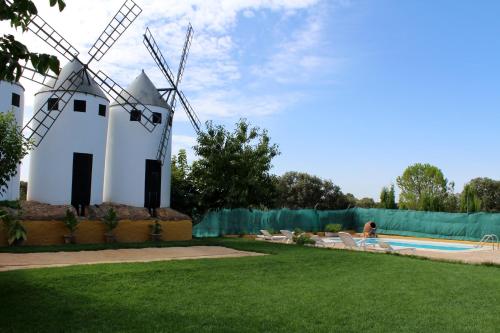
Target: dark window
135, 115
53, 104
102, 110
156, 118
79, 105
16, 99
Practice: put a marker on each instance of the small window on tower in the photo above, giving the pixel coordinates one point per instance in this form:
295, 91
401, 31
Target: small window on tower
135, 115
53, 104
102, 110
156, 118
16, 99
79, 105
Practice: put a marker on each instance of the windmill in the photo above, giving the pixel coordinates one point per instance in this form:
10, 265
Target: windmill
41, 122
67, 165
173, 92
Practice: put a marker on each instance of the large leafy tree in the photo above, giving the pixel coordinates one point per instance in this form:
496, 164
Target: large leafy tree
233, 168
12, 148
469, 200
14, 54
184, 195
487, 191
301, 190
424, 187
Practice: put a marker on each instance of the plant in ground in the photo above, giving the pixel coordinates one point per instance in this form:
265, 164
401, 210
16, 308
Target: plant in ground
16, 233
71, 223
333, 228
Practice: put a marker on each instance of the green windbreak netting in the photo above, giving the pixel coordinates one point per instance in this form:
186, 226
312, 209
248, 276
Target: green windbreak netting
244, 221
393, 222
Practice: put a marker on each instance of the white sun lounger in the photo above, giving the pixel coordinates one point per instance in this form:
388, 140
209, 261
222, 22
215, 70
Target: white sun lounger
350, 243
288, 234
323, 241
388, 248
266, 235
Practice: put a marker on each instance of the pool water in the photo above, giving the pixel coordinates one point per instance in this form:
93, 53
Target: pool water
424, 245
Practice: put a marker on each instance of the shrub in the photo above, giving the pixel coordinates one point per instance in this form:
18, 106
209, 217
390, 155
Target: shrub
71, 222
110, 220
303, 239
155, 227
15, 230
333, 227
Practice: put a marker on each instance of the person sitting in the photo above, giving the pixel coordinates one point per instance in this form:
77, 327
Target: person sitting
370, 230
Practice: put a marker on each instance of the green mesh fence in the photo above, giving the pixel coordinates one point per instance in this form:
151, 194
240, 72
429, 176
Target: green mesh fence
392, 222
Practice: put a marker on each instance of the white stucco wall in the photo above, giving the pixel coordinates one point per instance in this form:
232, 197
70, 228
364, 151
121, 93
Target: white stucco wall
129, 146
11, 192
51, 166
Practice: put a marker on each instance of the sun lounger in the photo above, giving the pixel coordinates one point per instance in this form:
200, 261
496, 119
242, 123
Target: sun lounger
323, 241
350, 243
266, 235
388, 248
288, 234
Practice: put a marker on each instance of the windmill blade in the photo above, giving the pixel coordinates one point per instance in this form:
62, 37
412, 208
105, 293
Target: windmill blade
123, 98
193, 117
42, 121
185, 52
155, 52
127, 14
46, 80
165, 136
45, 32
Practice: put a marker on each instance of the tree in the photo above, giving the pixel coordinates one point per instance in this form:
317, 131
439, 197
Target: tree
366, 203
388, 198
13, 148
424, 187
13, 54
301, 190
233, 167
184, 195
488, 191
469, 200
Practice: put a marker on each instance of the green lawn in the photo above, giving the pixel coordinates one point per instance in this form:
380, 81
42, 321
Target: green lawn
292, 290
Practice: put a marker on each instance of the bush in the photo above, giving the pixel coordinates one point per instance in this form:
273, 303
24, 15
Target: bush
110, 220
303, 239
16, 233
155, 227
333, 227
71, 222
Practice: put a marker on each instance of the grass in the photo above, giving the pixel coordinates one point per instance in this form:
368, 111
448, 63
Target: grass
294, 289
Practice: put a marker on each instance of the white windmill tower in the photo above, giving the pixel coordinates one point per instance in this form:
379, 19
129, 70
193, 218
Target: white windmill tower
67, 165
12, 100
136, 174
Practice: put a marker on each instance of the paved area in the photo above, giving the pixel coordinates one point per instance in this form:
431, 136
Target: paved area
12, 261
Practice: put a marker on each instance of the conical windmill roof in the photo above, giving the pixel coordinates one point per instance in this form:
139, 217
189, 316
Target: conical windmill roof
145, 92
88, 85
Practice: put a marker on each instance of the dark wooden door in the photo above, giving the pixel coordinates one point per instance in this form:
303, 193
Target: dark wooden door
152, 186
82, 179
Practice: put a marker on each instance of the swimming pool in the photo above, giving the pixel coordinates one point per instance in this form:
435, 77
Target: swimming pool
424, 245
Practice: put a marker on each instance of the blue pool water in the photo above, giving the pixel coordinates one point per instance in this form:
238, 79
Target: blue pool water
425, 245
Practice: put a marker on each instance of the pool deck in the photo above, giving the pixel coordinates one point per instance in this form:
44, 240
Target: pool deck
476, 256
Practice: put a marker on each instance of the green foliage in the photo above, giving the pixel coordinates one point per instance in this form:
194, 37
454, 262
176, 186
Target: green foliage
469, 200
13, 204
300, 190
23, 190
424, 187
12, 148
110, 220
14, 229
232, 169
488, 192
303, 239
184, 195
333, 227
156, 227
13, 53
70, 221
388, 198
366, 203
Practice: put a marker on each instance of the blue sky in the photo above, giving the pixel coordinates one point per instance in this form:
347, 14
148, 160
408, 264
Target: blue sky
352, 91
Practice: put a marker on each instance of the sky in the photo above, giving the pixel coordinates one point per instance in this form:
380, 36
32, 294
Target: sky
351, 90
